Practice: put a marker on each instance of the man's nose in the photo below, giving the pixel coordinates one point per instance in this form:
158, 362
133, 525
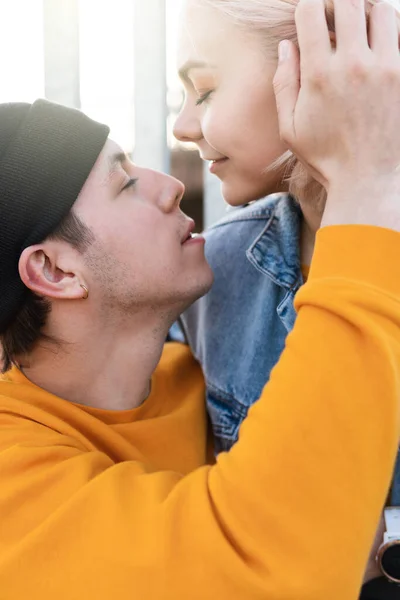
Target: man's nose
172, 191
187, 127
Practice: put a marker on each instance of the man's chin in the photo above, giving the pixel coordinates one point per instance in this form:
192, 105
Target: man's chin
198, 291
202, 291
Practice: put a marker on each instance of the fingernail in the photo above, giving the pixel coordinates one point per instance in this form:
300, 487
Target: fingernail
284, 50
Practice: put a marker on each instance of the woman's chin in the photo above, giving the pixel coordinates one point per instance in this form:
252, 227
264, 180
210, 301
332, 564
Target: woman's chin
238, 194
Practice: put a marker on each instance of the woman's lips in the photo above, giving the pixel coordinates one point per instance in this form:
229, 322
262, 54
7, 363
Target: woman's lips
215, 165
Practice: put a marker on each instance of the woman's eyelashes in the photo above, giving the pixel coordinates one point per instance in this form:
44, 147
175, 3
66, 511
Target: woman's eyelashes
204, 97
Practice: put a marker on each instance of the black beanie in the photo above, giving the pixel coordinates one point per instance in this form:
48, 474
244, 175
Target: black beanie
46, 154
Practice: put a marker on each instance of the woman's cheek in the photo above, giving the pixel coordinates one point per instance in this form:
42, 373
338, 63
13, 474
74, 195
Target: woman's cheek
216, 130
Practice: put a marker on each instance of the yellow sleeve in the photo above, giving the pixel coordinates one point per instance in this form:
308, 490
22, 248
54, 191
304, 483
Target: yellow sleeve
288, 514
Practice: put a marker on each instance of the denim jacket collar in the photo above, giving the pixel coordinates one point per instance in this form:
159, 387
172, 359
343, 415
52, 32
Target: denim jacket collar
276, 250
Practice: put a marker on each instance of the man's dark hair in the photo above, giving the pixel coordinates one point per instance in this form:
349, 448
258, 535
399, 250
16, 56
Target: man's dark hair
27, 328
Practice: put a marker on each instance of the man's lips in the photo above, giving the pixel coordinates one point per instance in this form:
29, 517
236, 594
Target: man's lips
189, 231
190, 237
194, 239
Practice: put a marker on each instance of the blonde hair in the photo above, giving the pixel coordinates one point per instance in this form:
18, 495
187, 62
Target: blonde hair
274, 21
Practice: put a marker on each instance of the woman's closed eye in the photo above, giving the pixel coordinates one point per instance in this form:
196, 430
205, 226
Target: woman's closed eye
204, 97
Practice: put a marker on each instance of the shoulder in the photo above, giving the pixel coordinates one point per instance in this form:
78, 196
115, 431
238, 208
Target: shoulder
265, 233
241, 227
10, 395
23, 426
32, 417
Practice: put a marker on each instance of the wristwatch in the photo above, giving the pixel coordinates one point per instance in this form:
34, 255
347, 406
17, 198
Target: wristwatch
388, 557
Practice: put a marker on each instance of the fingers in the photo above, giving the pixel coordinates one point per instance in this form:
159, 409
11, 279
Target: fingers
351, 30
384, 31
287, 88
312, 33
351, 25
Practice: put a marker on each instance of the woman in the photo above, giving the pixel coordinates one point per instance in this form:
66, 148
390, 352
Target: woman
260, 254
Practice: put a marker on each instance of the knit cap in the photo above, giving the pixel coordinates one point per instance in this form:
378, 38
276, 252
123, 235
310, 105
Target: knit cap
46, 154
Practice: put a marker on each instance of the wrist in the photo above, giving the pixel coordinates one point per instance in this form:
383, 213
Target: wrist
369, 202
372, 572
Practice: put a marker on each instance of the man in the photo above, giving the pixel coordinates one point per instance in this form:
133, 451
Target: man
106, 490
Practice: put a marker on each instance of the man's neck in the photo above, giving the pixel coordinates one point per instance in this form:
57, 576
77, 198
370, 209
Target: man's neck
106, 367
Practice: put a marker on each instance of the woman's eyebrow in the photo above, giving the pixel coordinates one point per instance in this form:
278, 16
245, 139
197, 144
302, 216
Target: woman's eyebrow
192, 64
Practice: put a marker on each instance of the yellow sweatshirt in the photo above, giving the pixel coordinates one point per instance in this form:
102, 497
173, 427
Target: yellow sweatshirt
99, 505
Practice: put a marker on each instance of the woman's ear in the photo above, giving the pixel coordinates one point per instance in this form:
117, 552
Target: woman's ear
40, 270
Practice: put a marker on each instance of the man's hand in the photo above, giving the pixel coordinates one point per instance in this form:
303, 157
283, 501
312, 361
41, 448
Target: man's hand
343, 120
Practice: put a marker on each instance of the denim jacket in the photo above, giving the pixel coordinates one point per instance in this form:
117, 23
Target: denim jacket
238, 330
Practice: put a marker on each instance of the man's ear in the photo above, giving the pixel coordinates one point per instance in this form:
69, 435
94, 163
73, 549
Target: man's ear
49, 270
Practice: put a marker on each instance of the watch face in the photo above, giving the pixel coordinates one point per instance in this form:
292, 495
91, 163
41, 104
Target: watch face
390, 561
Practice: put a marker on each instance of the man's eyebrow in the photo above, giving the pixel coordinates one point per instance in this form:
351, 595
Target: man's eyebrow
116, 161
192, 64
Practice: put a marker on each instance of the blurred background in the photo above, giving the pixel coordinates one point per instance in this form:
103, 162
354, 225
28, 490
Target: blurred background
115, 60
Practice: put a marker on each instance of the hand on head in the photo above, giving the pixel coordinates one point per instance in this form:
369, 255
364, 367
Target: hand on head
339, 107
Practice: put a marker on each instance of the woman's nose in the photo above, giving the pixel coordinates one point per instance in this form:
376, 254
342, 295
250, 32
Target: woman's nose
187, 127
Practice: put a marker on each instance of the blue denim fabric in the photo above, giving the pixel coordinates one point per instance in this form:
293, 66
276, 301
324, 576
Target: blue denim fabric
238, 330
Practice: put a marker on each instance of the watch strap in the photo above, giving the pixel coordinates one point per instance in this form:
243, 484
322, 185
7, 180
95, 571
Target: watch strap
380, 589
